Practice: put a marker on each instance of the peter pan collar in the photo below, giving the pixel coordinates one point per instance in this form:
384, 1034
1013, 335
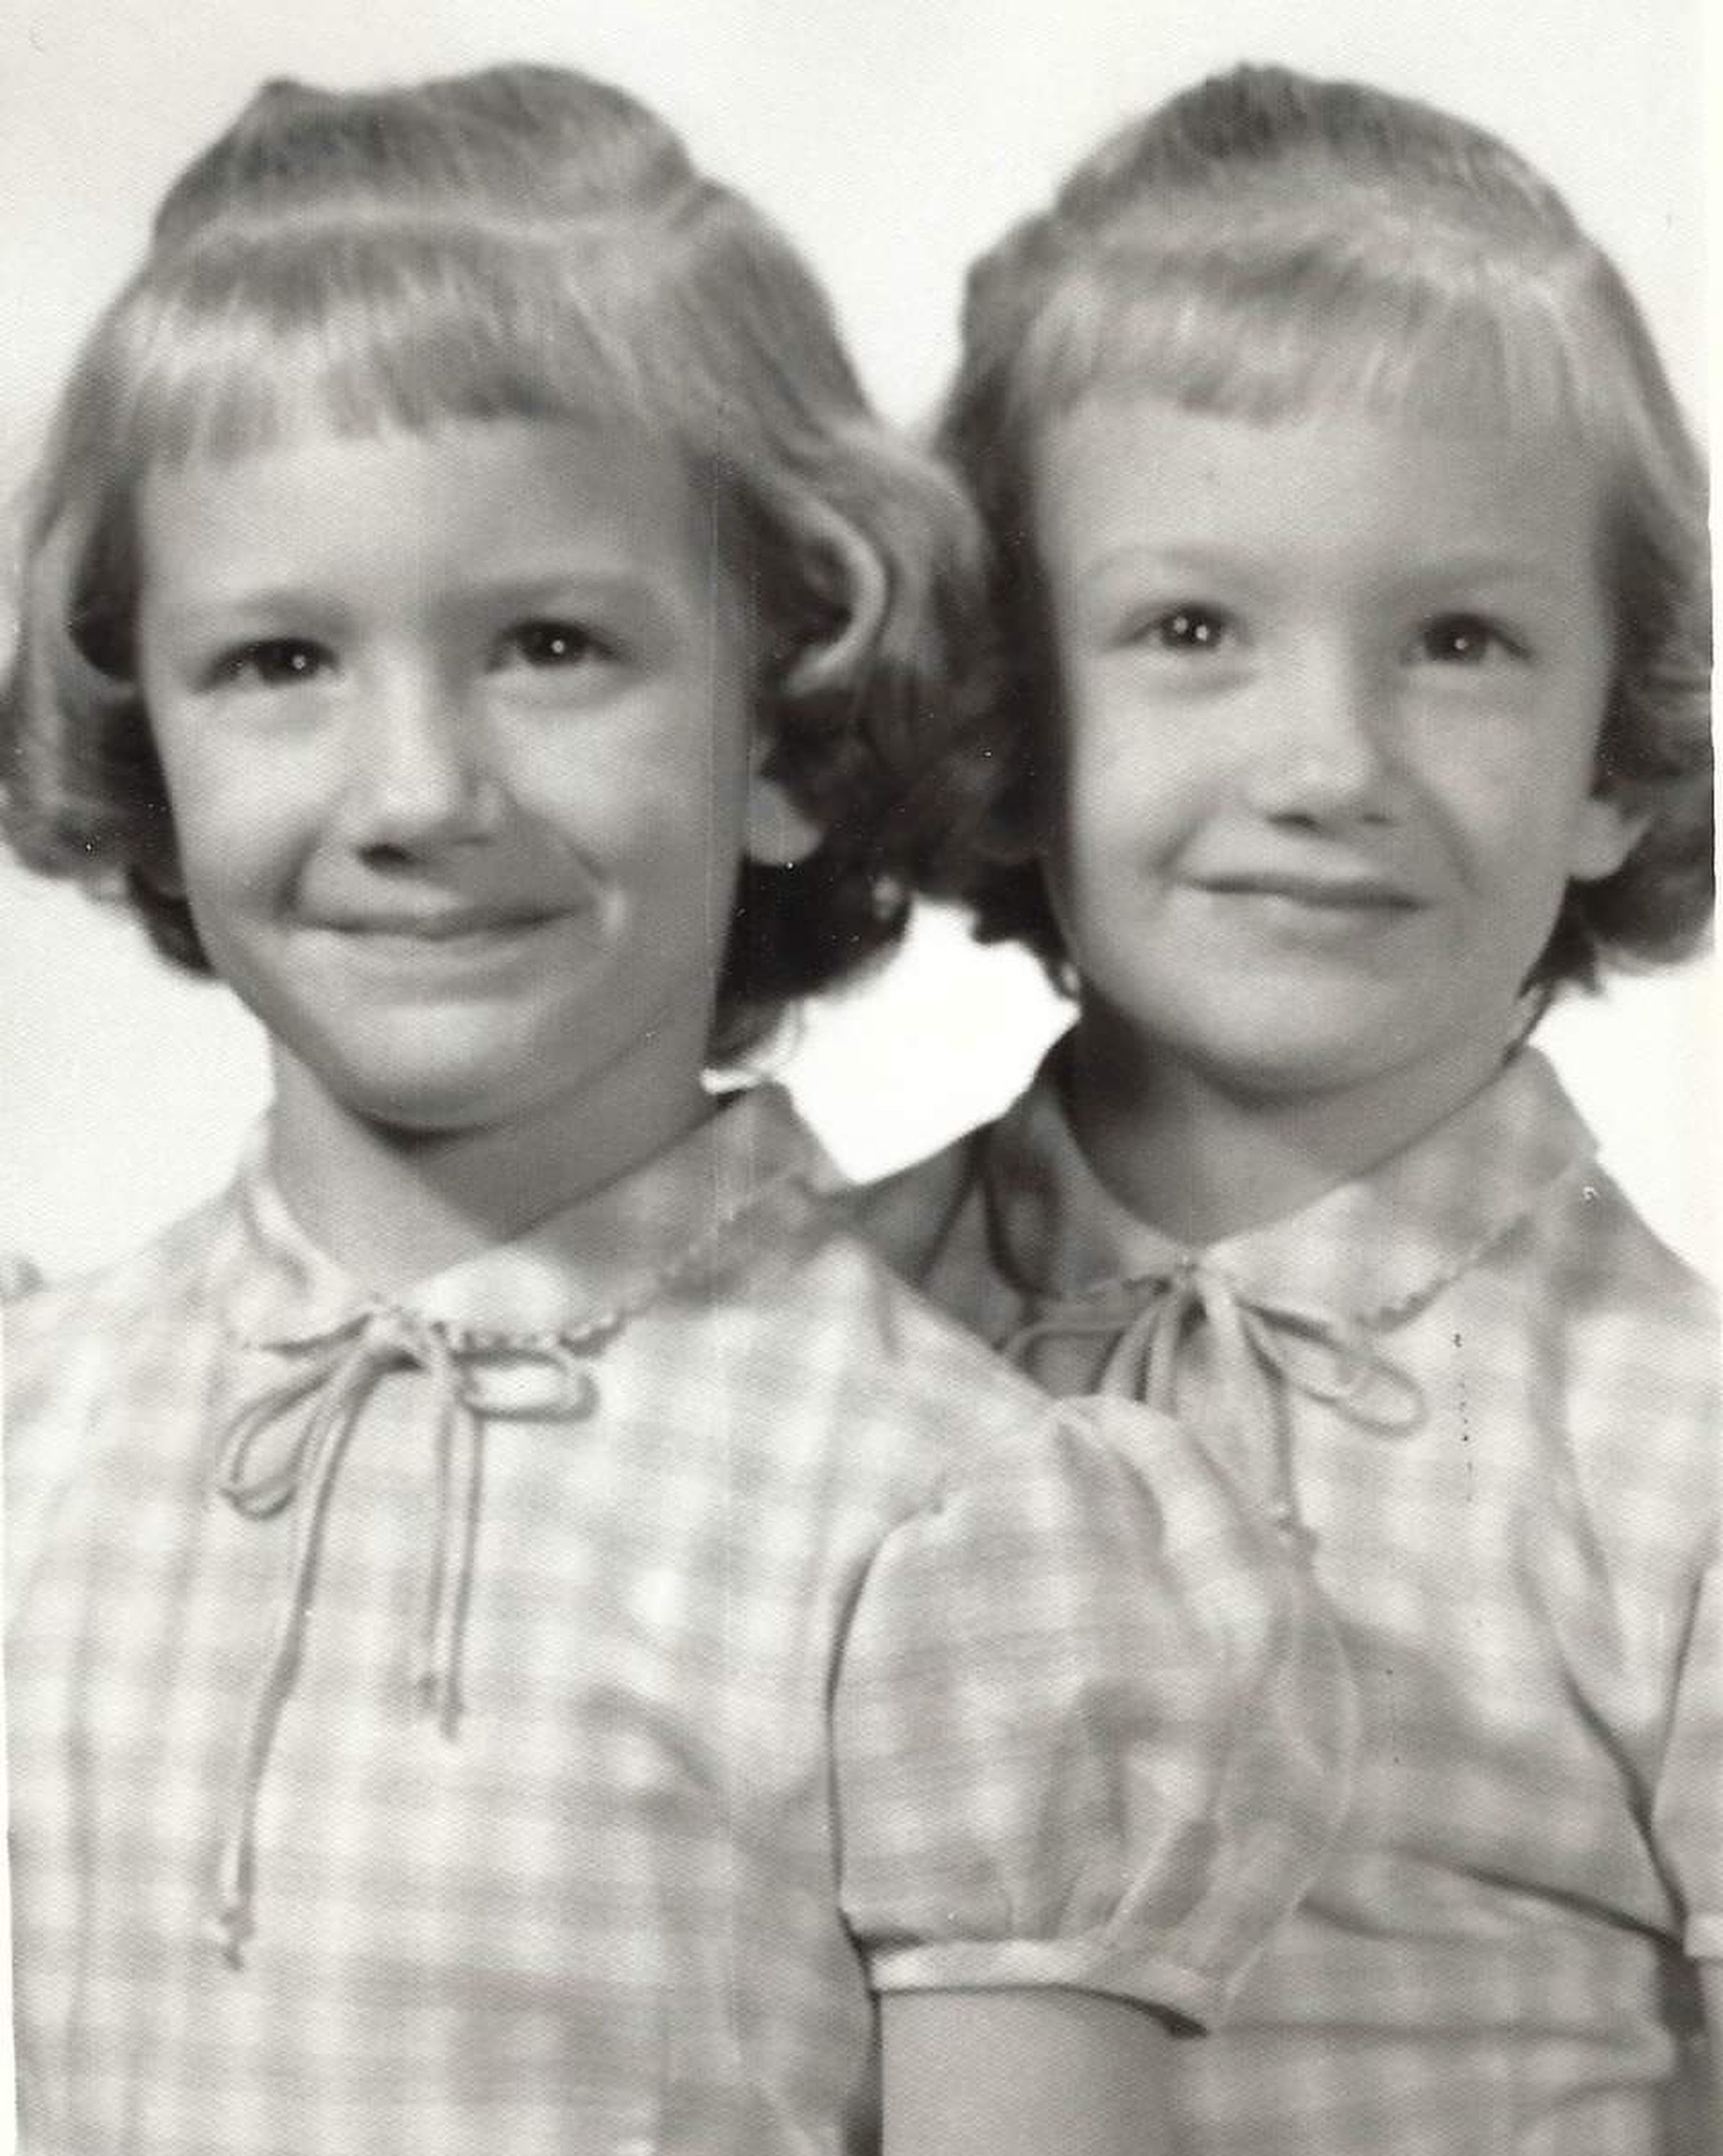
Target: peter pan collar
1371, 1250
505, 1335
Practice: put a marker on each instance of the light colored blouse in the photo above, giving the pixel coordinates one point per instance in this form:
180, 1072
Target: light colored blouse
535, 1714
1482, 1399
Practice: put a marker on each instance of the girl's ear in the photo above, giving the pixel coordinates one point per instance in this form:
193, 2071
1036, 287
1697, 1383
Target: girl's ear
778, 833
1610, 824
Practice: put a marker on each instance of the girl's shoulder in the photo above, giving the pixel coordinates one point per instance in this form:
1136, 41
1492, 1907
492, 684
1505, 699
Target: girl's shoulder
850, 1296
90, 1362
1600, 1257
1643, 1339
104, 1311
1505, 1217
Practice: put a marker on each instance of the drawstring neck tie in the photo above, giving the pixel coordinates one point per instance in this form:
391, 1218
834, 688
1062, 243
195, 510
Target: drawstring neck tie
272, 1459
1148, 1321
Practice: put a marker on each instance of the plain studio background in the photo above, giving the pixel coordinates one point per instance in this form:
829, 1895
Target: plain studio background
894, 139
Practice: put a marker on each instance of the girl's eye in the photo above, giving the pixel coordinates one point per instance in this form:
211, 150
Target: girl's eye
1464, 640
1188, 628
271, 662
549, 644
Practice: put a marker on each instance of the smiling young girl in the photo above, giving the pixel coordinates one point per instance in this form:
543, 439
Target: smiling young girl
1351, 698
520, 1637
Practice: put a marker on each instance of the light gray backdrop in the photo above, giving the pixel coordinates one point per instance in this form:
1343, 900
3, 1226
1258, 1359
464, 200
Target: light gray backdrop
894, 138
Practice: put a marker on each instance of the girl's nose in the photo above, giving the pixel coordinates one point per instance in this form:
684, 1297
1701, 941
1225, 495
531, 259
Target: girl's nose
1324, 755
421, 772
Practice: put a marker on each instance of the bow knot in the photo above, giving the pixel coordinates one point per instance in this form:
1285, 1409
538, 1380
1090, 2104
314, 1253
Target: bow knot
274, 1457
1146, 1324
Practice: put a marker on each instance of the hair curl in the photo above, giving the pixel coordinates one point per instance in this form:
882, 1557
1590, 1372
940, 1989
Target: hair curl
520, 242
1263, 244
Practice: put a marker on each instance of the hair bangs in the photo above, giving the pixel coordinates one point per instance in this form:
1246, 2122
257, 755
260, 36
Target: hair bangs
1272, 334
367, 327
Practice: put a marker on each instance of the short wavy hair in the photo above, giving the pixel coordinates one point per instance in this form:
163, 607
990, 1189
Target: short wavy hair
1263, 244
520, 242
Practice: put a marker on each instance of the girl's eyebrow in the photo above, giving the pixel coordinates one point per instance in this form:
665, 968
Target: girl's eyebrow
210, 613
1493, 574
1170, 562
627, 591
1528, 566
633, 591
1493, 565
1158, 554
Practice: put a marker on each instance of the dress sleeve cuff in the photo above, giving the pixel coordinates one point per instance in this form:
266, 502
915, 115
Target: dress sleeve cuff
1119, 1970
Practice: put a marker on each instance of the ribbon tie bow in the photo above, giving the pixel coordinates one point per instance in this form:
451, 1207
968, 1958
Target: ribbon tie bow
272, 1458
1146, 1324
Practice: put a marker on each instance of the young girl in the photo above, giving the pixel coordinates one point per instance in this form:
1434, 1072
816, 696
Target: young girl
518, 1631
1352, 596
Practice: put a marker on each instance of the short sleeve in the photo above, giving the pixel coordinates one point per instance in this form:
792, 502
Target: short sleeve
1090, 1728
1687, 1815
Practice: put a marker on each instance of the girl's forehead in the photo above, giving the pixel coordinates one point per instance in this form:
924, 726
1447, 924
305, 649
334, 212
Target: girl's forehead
534, 471
1351, 427
1382, 391
230, 430
1326, 499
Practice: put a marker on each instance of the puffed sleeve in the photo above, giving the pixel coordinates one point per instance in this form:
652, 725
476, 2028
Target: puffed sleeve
1687, 1814
1090, 1728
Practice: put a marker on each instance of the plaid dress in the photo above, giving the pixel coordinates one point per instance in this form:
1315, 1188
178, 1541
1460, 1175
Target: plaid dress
537, 1712
1483, 1399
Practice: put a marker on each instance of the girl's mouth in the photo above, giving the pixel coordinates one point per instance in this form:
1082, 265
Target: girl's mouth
440, 924
432, 937
1344, 893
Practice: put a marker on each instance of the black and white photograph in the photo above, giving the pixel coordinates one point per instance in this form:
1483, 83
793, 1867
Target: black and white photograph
859, 1177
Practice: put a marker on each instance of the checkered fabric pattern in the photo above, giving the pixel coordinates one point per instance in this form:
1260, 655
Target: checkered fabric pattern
781, 1645
1485, 1399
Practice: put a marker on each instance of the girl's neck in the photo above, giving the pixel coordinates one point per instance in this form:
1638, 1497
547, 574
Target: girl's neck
393, 1206
1202, 1160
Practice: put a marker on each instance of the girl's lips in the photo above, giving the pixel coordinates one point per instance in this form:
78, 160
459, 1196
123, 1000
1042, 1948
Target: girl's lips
431, 939
447, 928
1336, 894
438, 924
